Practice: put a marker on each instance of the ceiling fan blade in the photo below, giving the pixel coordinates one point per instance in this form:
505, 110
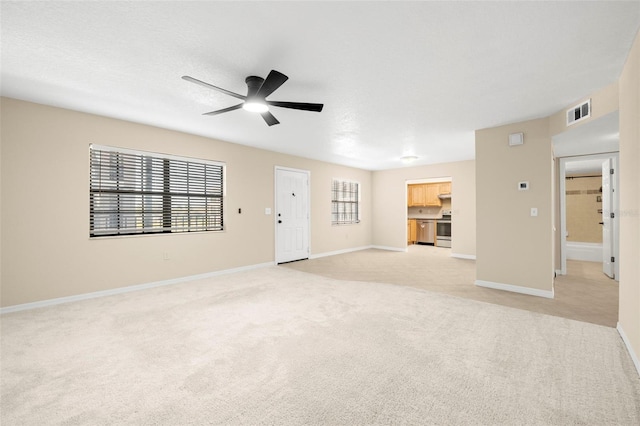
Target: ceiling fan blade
274, 80
220, 111
211, 86
297, 105
269, 118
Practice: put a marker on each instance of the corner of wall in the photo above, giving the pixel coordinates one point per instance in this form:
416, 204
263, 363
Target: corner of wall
515, 246
629, 179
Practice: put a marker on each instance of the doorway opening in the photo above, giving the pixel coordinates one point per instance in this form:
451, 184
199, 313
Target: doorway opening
586, 152
429, 210
586, 155
588, 206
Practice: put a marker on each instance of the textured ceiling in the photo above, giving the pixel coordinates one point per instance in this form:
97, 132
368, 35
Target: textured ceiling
397, 78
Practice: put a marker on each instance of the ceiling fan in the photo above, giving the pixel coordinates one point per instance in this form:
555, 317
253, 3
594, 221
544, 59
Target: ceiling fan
258, 89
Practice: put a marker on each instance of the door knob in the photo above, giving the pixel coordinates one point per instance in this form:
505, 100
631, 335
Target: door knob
279, 221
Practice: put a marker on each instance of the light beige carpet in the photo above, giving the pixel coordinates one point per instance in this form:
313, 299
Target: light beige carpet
585, 294
278, 346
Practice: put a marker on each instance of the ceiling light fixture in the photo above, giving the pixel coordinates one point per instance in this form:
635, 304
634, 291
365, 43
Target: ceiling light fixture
408, 158
255, 105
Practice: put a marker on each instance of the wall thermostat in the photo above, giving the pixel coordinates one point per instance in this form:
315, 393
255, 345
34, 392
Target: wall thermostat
523, 186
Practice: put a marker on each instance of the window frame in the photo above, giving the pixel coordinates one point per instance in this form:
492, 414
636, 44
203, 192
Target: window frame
357, 202
203, 198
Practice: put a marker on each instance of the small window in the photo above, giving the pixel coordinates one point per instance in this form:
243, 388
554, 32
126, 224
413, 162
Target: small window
133, 192
345, 202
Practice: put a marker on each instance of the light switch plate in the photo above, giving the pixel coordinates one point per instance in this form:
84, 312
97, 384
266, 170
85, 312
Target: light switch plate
267, 210
534, 211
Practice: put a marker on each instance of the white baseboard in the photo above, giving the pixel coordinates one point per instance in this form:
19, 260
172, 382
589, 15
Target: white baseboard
590, 252
350, 250
559, 272
404, 249
516, 289
343, 251
464, 256
627, 343
111, 292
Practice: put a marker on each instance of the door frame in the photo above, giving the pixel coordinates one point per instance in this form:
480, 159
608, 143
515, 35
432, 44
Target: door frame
408, 182
563, 207
275, 204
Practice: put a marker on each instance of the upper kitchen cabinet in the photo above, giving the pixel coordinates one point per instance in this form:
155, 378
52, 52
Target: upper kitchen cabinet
445, 188
432, 191
425, 195
416, 196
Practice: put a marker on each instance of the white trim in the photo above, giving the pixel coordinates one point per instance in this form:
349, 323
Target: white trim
464, 256
120, 290
516, 289
333, 253
563, 206
627, 343
405, 249
559, 272
351, 250
590, 252
563, 216
430, 180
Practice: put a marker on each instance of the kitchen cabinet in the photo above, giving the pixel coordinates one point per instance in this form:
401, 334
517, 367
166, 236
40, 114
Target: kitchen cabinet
427, 194
445, 188
416, 196
424, 195
412, 231
432, 191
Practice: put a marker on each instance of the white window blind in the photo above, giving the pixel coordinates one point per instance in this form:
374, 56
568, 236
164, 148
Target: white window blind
345, 202
132, 192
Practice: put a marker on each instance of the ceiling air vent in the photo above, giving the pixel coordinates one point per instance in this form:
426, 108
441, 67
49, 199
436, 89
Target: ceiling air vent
578, 112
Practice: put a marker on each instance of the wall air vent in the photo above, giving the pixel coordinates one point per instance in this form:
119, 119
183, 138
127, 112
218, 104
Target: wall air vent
579, 112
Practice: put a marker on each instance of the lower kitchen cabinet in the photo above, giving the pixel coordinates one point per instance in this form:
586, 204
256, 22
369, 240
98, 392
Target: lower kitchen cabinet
412, 231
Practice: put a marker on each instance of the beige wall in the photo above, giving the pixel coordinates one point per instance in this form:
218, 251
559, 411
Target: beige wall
514, 248
603, 102
623, 95
47, 252
583, 216
390, 204
629, 310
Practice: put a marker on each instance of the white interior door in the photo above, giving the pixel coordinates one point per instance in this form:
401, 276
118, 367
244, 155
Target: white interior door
607, 221
292, 215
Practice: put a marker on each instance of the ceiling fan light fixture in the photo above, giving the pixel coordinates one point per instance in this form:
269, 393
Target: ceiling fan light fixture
258, 89
408, 158
255, 106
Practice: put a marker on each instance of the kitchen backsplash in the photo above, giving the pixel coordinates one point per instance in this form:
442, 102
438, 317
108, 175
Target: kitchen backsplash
428, 212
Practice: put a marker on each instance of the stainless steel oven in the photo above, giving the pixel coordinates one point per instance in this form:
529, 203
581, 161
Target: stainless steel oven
443, 230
